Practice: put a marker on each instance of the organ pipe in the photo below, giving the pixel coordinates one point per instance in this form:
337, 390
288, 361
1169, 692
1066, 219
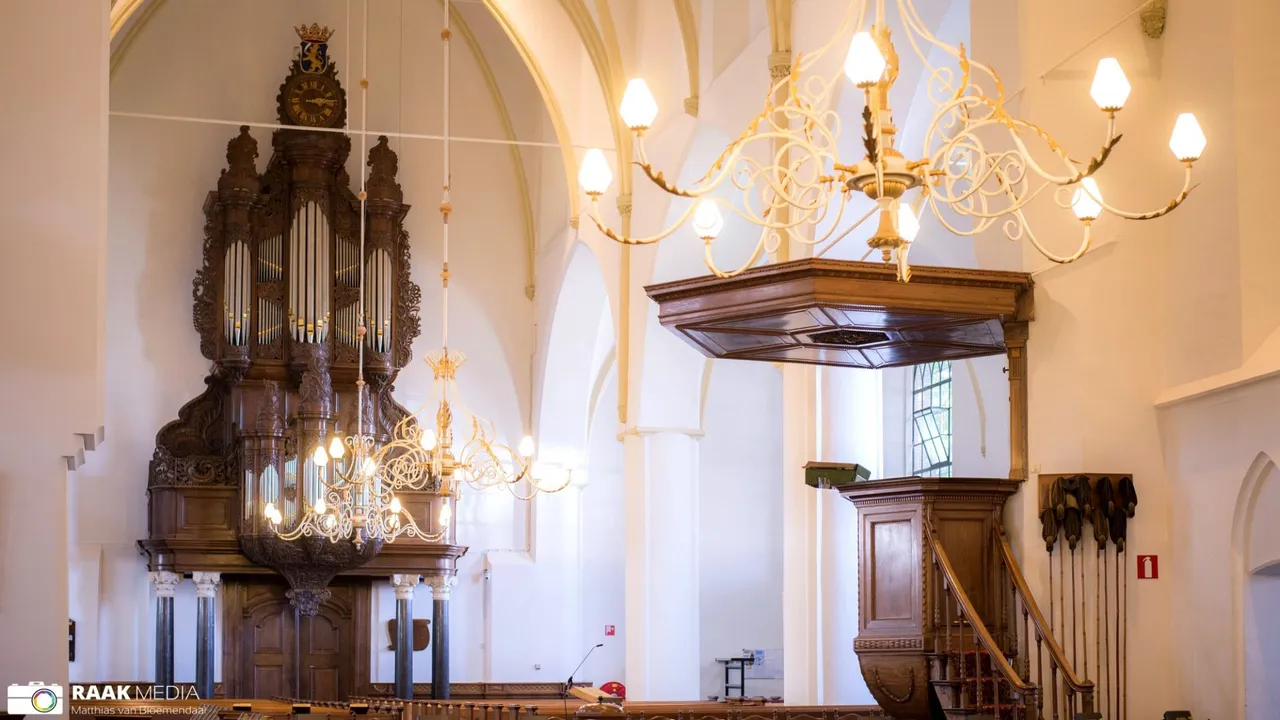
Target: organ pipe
309, 289
237, 290
377, 300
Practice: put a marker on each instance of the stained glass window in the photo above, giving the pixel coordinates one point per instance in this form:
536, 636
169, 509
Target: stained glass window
931, 420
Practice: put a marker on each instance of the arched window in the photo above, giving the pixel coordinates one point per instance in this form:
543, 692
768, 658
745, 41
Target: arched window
931, 420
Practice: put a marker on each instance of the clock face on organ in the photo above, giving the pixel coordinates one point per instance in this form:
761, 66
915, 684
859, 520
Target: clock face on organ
313, 99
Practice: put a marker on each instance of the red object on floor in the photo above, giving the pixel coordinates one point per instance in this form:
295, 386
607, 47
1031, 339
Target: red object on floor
615, 688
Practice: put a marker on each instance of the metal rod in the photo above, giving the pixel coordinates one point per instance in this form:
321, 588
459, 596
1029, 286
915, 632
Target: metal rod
1075, 647
1084, 615
344, 131
1106, 626
1124, 656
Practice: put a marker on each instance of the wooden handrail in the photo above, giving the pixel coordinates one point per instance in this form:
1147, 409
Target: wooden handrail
975, 621
1029, 602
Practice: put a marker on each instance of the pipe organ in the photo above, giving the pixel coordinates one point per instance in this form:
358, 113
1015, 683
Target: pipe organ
278, 306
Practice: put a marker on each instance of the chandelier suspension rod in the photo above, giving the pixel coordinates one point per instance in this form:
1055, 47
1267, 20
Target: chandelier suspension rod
1081, 49
364, 208
346, 131
445, 205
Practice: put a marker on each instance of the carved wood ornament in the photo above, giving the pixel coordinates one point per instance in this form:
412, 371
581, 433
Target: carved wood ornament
276, 307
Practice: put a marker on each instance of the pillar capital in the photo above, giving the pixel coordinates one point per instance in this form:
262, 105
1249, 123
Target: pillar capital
164, 582
206, 583
441, 585
404, 585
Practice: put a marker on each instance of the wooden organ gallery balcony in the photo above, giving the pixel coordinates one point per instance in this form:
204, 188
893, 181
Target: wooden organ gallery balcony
947, 624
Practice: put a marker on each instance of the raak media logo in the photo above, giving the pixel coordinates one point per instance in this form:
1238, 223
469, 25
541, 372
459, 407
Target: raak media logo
130, 692
35, 698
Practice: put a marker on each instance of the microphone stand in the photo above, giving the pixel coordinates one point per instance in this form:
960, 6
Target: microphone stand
569, 684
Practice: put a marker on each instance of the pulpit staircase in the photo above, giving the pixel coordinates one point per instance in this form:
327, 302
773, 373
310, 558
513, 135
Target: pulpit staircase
1009, 666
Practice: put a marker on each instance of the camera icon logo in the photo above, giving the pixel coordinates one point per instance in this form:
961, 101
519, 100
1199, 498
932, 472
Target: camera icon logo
35, 698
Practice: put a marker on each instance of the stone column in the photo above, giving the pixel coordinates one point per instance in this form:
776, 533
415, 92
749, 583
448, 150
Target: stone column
801, 554
441, 586
206, 591
404, 585
662, 583
165, 584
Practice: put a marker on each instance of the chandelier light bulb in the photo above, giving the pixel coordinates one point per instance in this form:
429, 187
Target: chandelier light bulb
1187, 141
368, 467
320, 457
526, 447
594, 175
707, 220
329, 522
1085, 202
269, 511
395, 506
446, 513
864, 64
638, 109
908, 223
320, 507
1110, 87
336, 448
427, 439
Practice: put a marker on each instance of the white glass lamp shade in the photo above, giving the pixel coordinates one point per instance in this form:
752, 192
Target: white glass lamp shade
1085, 203
1187, 141
908, 224
638, 108
320, 457
368, 467
394, 507
336, 448
707, 220
526, 447
864, 64
427, 439
269, 511
594, 175
1110, 87
446, 513
320, 506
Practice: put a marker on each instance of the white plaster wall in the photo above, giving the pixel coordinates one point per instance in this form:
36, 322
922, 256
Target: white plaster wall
603, 538
53, 225
740, 558
1262, 645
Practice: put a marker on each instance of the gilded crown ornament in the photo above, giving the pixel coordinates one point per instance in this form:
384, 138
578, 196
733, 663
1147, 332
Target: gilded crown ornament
313, 33
974, 169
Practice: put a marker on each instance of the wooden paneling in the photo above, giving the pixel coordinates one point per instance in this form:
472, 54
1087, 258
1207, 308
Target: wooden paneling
270, 651
893, 570
849, 314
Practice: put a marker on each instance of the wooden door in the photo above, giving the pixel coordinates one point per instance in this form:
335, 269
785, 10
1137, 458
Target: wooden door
268, 650
269, 637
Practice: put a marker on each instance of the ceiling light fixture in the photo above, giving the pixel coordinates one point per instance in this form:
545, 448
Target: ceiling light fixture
422, 453
974, 167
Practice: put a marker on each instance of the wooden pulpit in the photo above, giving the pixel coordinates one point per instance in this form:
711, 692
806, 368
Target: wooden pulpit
896, 604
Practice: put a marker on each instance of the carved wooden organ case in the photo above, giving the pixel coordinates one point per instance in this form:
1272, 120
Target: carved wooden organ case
278, 314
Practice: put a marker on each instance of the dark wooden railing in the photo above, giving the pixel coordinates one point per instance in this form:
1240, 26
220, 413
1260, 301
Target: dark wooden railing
1064, 692
959, 634
1019, 666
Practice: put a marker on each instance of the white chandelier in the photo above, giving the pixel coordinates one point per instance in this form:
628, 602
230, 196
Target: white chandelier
422, 454
974, 163
351, 499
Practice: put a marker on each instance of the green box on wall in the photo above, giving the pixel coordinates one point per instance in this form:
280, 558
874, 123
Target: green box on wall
823, 475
